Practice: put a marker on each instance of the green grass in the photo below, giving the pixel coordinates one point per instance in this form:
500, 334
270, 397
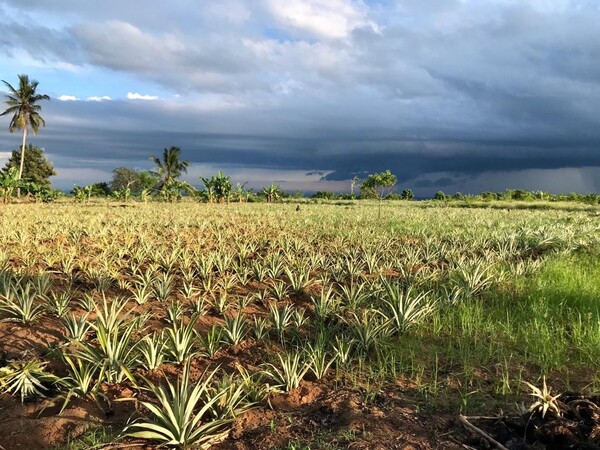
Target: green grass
548, 323
512, 205
329, 440
93, 438
569, 284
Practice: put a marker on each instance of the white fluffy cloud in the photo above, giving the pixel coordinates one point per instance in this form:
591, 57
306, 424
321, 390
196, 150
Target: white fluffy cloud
136, 96
68, 98
325, 18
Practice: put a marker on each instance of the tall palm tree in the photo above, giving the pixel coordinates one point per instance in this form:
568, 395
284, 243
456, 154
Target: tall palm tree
22, 104
170, 167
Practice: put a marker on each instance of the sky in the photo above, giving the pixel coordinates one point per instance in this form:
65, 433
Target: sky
453, 95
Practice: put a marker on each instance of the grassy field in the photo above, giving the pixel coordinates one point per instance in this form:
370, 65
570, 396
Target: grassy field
273, 315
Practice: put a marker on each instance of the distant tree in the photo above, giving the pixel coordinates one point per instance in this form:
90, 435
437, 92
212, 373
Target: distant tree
42, 193
208, 193
272, 192
36, 167
170, 167
521, 194
82, 193
242, 193
324, 195
407, 194
101, 189
439, 195
22, 104
174, 190
126, 179
148, 179
91, 190
217, 188
380, 184
488, 196
590, 198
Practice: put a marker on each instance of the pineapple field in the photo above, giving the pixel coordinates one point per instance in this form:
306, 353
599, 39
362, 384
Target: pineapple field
241, 326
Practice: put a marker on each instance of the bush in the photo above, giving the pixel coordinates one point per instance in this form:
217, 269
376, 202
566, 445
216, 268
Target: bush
324, 195
407, 194
488, 196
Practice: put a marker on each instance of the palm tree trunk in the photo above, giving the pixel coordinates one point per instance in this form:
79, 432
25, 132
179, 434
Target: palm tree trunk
22, 160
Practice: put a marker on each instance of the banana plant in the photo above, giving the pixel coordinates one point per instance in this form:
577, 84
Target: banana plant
9, 182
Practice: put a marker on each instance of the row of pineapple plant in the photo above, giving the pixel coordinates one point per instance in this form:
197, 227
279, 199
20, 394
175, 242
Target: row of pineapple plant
132, 291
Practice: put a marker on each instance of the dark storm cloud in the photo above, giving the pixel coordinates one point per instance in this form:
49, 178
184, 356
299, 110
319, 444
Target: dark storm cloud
439, 182
458, 88
131, 142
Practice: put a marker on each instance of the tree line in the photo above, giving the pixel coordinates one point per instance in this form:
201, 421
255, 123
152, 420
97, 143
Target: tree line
29, 170
24, 109
164, 183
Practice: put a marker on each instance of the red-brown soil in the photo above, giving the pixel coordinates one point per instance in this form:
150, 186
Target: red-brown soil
330, 413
